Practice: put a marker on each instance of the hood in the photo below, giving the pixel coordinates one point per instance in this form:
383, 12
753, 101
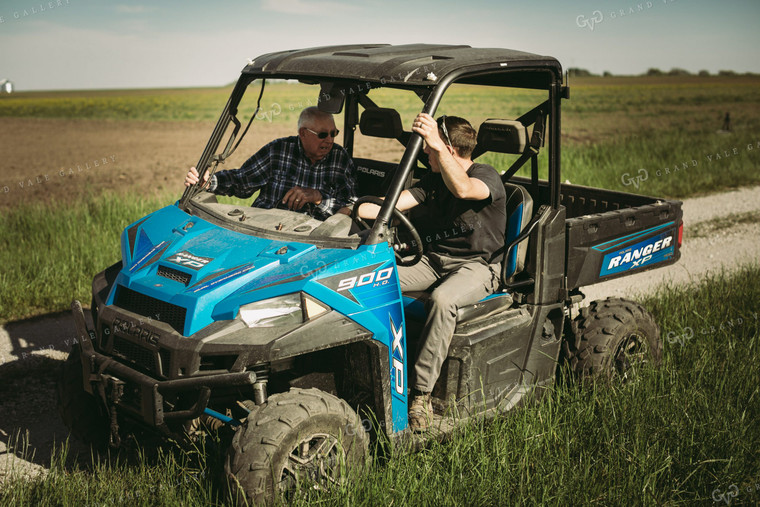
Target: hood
178, 262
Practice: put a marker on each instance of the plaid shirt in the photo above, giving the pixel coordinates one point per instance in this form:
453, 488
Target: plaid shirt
282, 165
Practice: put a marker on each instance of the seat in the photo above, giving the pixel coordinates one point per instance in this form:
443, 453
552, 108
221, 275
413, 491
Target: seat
373, 176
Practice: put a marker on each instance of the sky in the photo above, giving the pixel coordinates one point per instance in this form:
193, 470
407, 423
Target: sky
101, 44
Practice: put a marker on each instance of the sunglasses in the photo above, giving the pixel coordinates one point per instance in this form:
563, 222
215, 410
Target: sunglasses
323, 135
442, 125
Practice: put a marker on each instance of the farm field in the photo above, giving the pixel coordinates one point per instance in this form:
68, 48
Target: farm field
651, 135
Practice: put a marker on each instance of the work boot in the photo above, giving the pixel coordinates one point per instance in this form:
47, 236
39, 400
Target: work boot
420, 412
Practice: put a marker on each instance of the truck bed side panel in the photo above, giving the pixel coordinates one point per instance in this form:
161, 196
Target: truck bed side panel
611, 234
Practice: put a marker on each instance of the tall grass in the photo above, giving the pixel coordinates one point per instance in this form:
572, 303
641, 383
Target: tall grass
165, 478
675, 435
49, 254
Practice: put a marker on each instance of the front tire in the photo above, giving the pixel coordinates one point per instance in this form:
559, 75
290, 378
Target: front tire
613, 338
304, 434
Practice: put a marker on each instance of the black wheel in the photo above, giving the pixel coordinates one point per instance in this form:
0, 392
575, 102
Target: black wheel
80, 411
612, 339
304, 434
416, 246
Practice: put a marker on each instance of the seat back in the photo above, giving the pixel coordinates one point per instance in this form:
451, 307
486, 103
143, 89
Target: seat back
501, 136
509, 136
381, 122
519, 213
373, 176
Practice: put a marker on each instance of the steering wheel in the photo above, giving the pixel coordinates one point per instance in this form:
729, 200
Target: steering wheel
397, 247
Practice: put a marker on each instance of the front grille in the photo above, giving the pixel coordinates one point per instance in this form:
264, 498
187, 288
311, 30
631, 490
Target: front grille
151, 308
174, 274
140, 356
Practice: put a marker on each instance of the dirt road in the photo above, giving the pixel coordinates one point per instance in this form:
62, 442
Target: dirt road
31, 351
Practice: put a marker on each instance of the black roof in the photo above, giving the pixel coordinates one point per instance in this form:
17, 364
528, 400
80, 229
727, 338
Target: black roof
405, 65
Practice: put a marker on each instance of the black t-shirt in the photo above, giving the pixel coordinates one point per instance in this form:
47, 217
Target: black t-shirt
458, 227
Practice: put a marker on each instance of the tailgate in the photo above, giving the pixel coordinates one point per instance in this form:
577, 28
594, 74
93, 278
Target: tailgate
603, 246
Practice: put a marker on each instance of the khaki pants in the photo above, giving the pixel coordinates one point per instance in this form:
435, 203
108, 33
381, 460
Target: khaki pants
454, 283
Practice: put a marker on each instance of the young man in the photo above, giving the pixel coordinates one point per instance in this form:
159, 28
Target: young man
464, 226
293, 171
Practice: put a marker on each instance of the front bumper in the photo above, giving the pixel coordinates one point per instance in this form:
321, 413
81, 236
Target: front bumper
140, 396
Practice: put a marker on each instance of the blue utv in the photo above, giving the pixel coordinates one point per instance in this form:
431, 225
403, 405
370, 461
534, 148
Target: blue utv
291, 333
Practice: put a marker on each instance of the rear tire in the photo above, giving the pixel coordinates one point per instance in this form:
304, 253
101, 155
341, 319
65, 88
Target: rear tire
304, 434
614, 338
80, 411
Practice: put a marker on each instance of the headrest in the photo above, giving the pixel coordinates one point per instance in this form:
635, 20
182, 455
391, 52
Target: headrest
502, 136
381, 122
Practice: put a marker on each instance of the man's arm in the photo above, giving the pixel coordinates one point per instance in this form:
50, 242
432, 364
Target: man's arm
405, 202
454, 175
242, 182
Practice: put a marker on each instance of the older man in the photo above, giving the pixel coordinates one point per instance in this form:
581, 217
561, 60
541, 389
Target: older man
464, 228
293, 171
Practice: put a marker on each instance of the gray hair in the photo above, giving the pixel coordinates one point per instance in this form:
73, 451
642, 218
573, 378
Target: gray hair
310, 114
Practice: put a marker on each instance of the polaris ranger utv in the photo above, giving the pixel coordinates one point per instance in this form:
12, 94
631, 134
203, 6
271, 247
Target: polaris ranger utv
292, 331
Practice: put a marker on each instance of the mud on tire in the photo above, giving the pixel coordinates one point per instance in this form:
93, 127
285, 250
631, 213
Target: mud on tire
304, 434
612, 338
80, 411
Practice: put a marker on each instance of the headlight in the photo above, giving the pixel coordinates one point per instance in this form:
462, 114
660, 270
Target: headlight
284, 310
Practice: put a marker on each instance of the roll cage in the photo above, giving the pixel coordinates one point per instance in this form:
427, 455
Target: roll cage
347, 73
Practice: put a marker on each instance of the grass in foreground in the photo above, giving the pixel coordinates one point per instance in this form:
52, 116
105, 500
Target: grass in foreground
677, 435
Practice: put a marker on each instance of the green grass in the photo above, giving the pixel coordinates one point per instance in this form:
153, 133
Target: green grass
673, 436
165, 478
167, 104
50, 253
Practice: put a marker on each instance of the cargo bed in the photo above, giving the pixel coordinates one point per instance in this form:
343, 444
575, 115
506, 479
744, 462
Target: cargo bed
609, 234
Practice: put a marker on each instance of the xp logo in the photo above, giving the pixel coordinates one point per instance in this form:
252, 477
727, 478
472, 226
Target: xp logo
377, 278
397, 353
189, 260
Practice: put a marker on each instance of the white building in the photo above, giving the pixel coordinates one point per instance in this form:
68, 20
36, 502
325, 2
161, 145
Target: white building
6, 86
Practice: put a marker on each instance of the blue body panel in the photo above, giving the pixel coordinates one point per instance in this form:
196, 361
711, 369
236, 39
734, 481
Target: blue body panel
653, 245
225, 269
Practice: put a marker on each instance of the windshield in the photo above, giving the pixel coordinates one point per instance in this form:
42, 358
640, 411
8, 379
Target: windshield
261, 112
251, 201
